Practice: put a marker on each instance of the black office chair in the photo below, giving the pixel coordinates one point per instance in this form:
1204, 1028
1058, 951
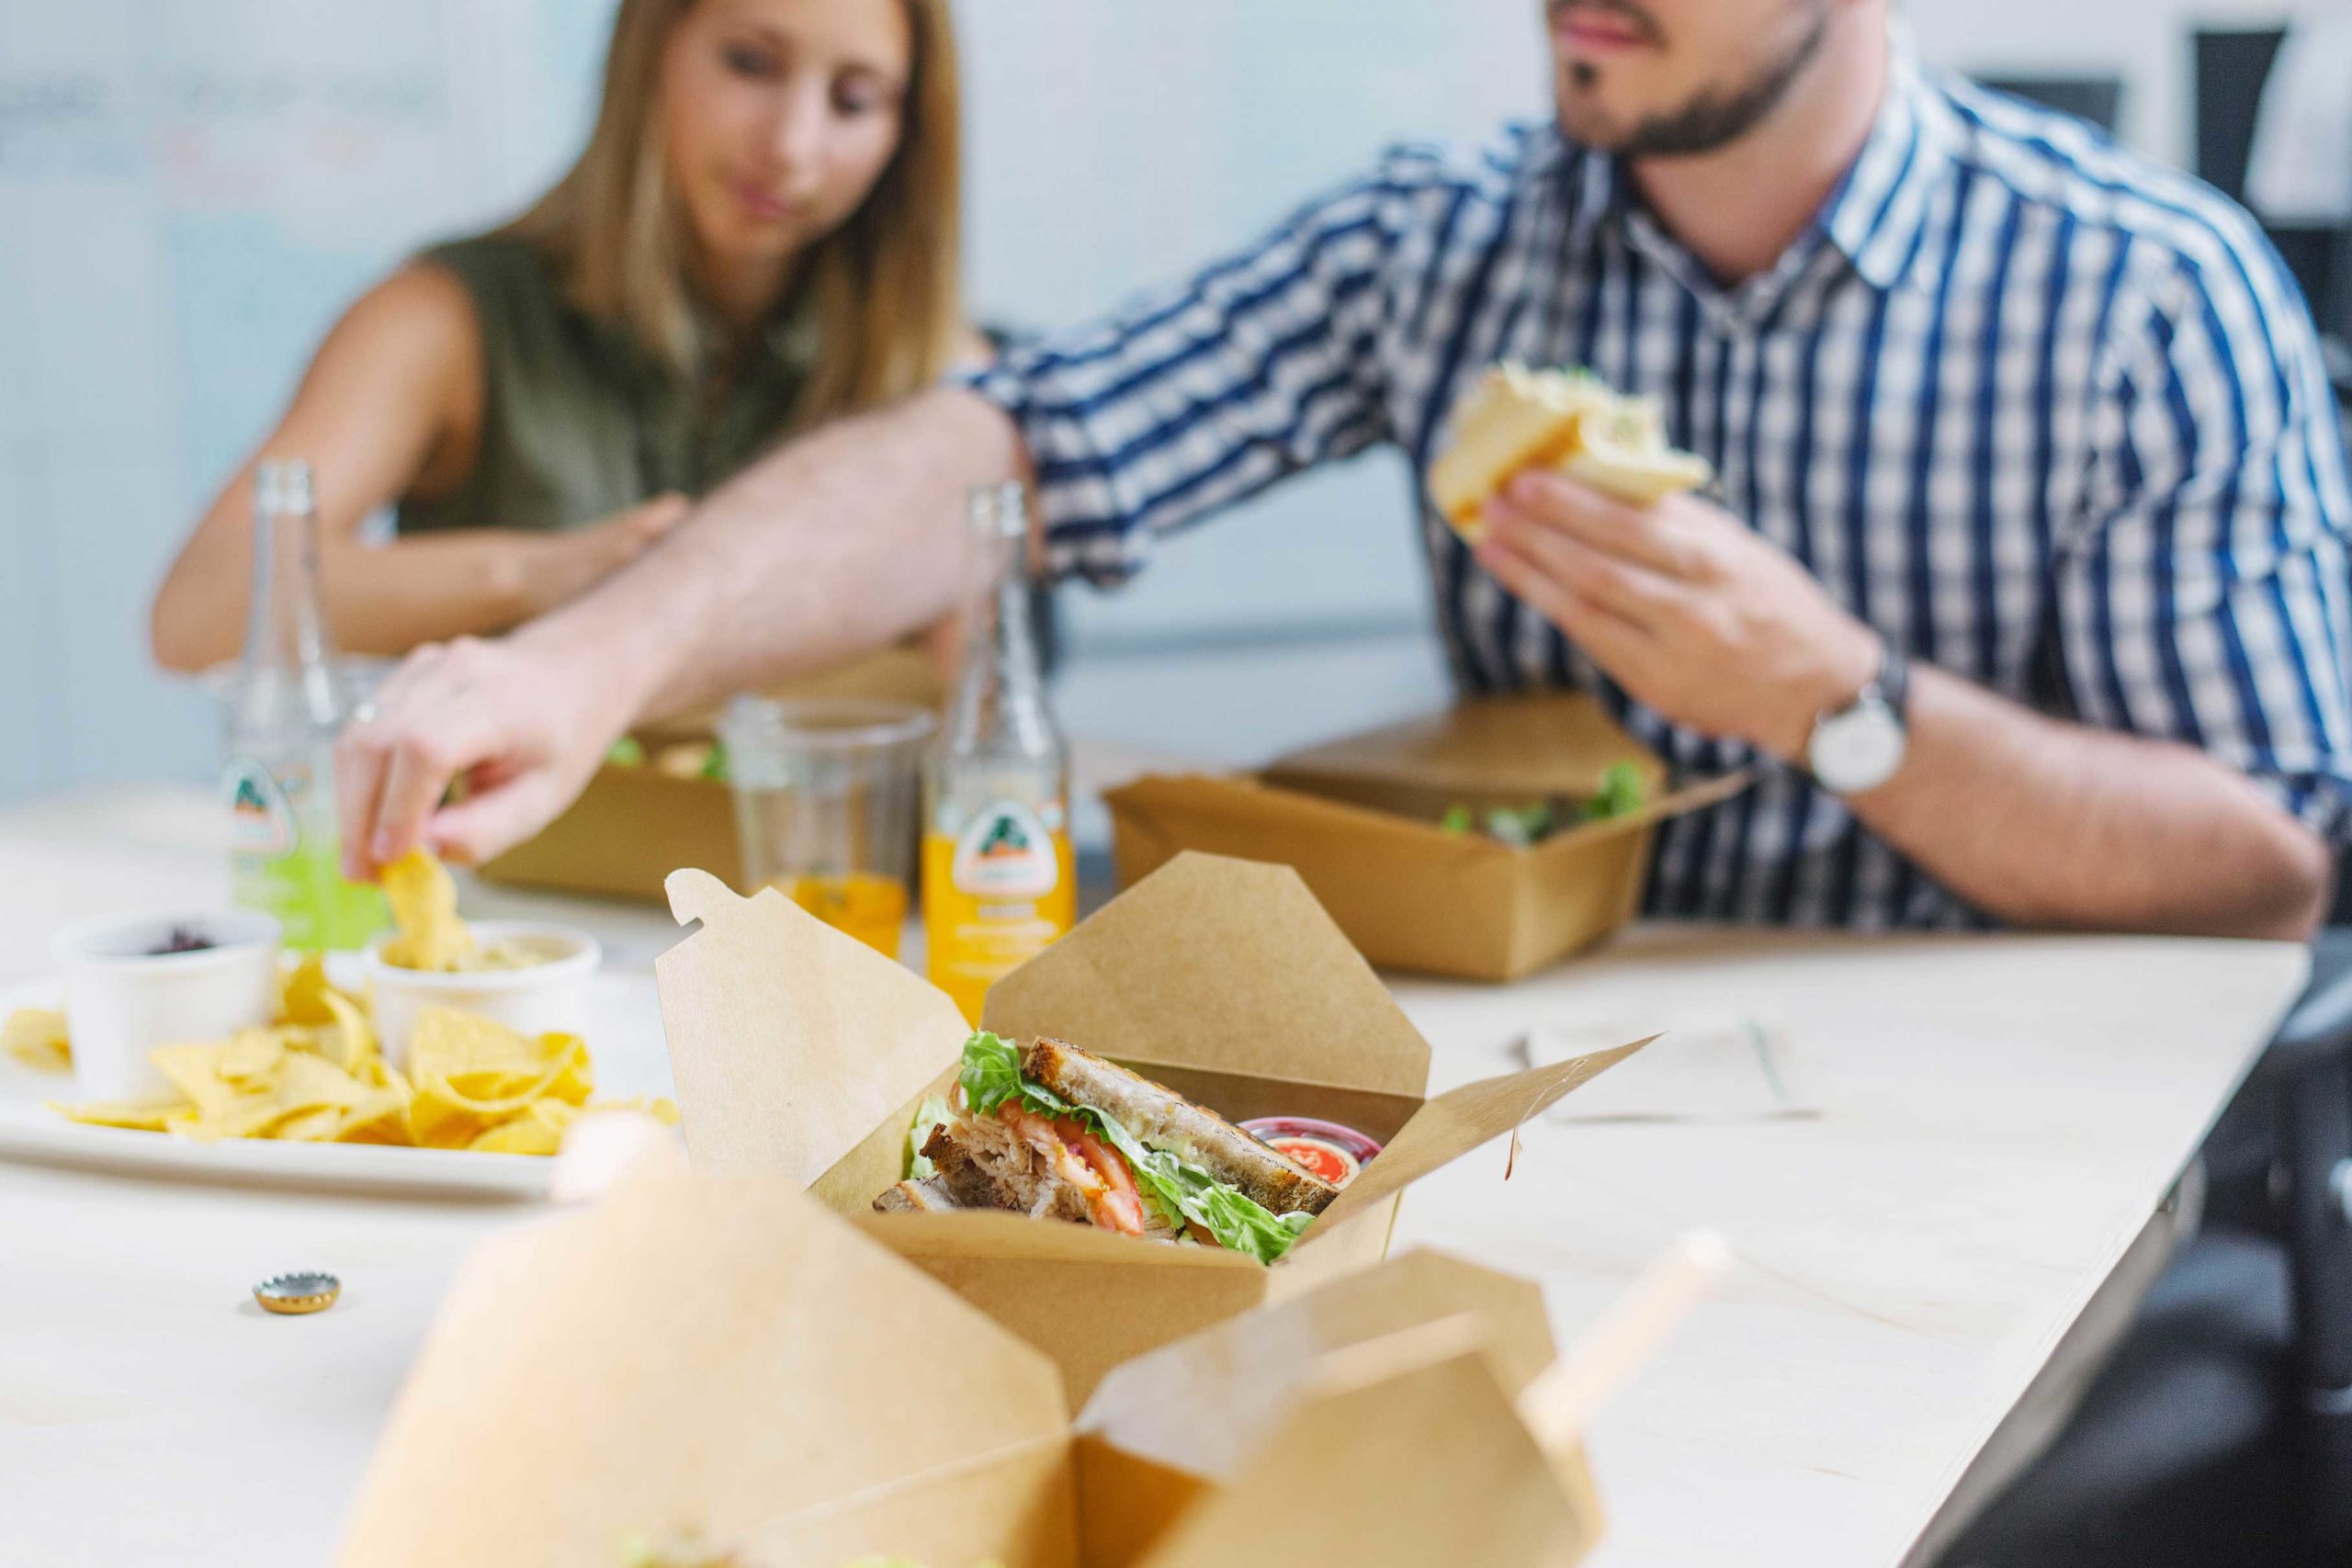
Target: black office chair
2232, 68
2098, 99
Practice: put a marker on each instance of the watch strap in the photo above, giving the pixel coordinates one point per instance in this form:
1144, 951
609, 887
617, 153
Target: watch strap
1894, 681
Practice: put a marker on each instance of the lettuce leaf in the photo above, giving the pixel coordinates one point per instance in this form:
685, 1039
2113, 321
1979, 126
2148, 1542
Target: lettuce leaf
991, 1075
1621, 794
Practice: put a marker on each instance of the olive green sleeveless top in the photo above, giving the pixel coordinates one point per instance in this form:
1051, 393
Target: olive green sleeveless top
580, 420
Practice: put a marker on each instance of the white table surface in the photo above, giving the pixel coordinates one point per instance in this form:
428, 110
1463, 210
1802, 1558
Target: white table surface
2000, 1115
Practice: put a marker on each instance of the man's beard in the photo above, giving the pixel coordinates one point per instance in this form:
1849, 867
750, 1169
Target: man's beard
1715, 117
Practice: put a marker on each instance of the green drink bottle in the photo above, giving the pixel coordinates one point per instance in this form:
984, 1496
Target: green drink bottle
281, 724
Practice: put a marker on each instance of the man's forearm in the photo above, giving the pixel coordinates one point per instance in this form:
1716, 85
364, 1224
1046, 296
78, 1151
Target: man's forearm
840, 542
2044, 823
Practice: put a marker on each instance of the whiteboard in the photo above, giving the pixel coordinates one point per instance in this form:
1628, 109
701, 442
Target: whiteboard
191, 192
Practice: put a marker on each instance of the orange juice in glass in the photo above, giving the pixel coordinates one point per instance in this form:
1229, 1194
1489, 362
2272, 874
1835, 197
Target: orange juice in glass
868, 905
827, 797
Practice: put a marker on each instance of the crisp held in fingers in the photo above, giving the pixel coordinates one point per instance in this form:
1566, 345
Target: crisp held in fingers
1517, 418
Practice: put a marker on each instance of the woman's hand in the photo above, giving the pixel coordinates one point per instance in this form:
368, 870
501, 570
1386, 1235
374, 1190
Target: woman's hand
522, 721
558, 568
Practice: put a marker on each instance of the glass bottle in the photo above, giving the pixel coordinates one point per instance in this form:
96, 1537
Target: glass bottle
998, 880
283, 714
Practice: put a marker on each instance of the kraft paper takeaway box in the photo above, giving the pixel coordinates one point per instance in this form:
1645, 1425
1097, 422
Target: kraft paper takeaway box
703, 1370
800, 1051
635, 824
1359, 818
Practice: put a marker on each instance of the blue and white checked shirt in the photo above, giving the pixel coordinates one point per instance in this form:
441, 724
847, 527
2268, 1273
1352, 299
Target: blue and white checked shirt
2045, 415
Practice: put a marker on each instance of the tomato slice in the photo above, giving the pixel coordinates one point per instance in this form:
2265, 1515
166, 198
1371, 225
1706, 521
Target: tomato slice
1123, 1200
1113, 1199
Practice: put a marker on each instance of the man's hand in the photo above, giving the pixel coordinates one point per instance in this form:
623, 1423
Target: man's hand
523, 725
1691, 612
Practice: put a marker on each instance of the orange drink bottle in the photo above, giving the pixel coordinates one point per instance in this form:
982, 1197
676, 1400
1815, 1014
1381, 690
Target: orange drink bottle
998, 883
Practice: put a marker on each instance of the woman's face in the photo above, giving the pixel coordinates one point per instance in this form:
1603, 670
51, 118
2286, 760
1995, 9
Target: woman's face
777, 117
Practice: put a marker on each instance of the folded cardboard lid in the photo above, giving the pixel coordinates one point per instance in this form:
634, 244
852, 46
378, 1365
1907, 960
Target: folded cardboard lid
1543, 744
1406, 1450
1397, 1384
789, 1041
1209, 1402
1454, 1123
692, 1356
1224, 964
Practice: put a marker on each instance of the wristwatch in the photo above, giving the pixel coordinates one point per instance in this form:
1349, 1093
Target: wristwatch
1860, 746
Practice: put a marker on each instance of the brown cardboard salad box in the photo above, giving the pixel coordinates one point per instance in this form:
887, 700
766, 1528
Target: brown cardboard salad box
800, 1051
633, 825
1357, 818
699, 1370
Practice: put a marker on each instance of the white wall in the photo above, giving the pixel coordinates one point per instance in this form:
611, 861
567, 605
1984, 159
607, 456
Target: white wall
190, 192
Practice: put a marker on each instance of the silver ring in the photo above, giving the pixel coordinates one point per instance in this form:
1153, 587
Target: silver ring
364, 713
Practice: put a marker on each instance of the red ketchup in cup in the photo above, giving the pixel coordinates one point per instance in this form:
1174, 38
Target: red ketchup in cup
1323, 1149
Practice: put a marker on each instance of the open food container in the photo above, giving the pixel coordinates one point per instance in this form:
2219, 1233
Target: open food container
670, 806
801, 1052
701, 1370
1362, 819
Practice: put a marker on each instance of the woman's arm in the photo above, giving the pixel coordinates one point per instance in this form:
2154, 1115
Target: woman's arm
391, 407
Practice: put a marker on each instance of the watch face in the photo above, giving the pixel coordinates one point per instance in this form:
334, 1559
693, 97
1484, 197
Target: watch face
1857, 750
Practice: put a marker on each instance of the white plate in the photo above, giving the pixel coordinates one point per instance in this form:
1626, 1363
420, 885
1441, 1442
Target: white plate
624, 1041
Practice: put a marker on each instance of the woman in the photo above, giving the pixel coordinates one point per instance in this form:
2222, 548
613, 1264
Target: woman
761, 234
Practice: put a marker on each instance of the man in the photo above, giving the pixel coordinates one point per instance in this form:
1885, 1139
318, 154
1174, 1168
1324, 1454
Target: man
1988, 399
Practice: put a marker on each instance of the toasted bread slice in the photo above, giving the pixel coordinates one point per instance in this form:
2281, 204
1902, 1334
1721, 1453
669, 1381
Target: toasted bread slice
1162, 1118
1510, 420
928, 1196
1515, 418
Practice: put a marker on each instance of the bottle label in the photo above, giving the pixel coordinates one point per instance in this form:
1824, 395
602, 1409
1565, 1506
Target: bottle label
262, 820
1006, 851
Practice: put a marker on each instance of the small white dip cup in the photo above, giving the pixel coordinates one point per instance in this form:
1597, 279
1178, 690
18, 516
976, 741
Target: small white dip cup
534, 1000
123, 999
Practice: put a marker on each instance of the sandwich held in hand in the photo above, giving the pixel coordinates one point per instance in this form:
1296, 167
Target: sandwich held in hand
1055, 1132
1516, 418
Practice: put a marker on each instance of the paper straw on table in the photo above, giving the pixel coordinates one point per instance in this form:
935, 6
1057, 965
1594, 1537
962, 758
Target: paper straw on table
1559, 1403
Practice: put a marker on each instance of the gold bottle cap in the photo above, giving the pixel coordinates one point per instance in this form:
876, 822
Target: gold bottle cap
295, 1294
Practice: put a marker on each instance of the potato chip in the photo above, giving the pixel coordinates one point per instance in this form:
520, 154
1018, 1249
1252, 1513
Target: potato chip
542, 1125
471, 1073
250, 1055
147, 1118
248, 1086
538, 1130
303, 998
381, 1119
36, 1036
320, 1126
425, 906
350, 1042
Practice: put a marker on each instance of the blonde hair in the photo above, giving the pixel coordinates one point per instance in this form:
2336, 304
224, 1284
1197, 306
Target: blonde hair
885, 287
